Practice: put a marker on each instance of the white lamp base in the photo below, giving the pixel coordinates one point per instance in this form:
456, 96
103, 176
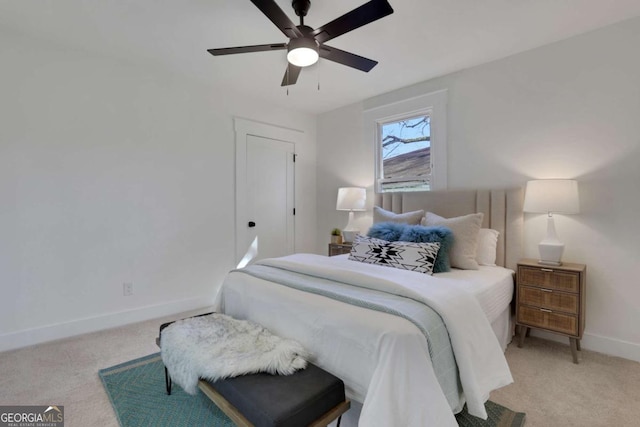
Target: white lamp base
350, 231
550, 254
550, 247
349, 235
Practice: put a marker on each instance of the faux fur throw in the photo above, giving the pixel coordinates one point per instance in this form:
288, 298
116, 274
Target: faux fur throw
217, 346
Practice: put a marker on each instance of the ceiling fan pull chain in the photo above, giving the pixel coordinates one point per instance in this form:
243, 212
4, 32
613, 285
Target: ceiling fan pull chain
318, 66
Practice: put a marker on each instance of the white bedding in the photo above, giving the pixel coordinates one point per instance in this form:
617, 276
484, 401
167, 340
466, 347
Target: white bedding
382, 359
491, 285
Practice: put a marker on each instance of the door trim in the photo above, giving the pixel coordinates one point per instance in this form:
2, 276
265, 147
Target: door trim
244, 127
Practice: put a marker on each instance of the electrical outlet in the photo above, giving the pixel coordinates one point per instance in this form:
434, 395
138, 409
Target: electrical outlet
127, 289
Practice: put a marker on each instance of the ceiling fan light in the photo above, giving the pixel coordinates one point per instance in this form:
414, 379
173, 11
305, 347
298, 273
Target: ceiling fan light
302, 52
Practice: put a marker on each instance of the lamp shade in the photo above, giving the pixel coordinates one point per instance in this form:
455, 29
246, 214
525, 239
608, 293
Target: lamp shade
351, 199
552, 196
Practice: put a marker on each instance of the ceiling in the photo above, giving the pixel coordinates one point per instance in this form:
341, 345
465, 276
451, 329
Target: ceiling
421, 40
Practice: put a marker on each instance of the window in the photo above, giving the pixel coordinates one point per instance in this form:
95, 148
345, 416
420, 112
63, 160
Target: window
410, 143
406, 154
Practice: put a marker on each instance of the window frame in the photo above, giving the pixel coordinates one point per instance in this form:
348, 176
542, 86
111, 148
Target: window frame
434, 105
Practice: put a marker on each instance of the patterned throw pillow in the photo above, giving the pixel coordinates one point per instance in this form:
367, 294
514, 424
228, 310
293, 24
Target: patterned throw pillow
442, 235
419, 257
393, 232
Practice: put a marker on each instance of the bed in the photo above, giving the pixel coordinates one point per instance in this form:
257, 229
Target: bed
398, 371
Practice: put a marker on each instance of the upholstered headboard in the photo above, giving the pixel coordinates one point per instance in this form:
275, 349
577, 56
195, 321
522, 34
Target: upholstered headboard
502, 211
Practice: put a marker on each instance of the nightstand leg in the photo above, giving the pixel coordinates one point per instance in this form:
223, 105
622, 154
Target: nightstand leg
574, 349
578, 342
523, 331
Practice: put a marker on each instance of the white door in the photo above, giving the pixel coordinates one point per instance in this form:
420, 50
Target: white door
269, 198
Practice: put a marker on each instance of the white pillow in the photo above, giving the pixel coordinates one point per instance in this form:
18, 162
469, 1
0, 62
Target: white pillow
465, 237
412, 218
487, 246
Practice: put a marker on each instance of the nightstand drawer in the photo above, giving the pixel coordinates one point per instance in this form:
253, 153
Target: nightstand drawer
549, 298
549, 278
547, 319
339, 248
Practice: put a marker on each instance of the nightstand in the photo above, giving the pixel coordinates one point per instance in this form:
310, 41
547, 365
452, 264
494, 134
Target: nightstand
551, 299
339, 249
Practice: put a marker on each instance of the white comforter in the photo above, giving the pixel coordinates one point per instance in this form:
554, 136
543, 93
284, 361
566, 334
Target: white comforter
384, 362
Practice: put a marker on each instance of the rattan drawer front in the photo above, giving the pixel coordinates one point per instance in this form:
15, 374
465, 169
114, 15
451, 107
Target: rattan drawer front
339, 249
549, 278
549, 298
547, 319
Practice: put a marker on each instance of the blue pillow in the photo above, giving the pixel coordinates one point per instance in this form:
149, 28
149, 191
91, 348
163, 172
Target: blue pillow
389, 231
422, 234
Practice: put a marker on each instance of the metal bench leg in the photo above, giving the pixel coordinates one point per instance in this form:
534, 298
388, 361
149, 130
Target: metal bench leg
167, 380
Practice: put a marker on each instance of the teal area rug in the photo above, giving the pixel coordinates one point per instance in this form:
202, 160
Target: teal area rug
137, 392
498, 416
138, 395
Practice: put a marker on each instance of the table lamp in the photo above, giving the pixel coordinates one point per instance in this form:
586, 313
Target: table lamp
351, 199
551, 196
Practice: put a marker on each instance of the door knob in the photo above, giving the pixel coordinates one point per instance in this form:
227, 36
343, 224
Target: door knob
251, 224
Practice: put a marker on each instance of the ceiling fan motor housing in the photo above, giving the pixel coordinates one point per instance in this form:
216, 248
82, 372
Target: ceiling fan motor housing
301, 7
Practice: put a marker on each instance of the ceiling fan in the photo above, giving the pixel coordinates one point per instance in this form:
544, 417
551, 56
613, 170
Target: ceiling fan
306, 45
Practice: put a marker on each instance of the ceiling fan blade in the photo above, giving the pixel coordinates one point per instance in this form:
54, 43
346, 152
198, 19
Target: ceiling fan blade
291, 75
346, 58
278, 17
363, 15
247, 49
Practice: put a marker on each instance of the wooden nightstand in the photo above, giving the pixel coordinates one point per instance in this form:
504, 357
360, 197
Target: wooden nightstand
552, 299
339, 249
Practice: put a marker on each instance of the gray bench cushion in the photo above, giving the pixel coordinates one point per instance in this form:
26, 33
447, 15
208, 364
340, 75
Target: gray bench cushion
283, 401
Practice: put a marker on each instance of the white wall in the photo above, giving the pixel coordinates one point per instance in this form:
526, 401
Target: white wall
114, 172
567, 110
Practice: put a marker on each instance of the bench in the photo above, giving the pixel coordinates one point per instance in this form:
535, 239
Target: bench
309, 397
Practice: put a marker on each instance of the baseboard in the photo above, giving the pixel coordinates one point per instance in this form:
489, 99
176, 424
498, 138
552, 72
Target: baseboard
57, 331
599, 343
